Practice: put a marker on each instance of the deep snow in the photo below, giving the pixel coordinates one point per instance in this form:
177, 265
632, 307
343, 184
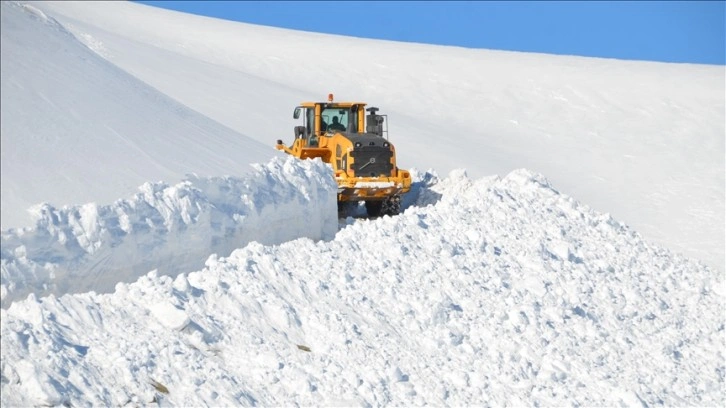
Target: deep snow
179, 275
169, 228
542, 302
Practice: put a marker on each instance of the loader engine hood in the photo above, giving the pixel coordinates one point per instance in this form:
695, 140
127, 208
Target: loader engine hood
371, 155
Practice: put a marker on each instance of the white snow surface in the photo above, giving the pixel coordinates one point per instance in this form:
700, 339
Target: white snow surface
643, 141
543, 302
170, 256
168, 228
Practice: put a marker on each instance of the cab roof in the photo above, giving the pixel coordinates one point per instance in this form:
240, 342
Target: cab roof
331, 104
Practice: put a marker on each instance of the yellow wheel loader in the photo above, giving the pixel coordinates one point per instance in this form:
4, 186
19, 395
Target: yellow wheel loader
356, 145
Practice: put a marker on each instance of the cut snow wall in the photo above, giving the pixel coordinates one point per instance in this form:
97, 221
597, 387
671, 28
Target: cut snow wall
172, 229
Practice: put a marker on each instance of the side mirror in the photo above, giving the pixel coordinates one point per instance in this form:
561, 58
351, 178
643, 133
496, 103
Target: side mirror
296, 114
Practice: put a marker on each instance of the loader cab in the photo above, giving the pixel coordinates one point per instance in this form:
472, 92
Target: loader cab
321, 119
318, 117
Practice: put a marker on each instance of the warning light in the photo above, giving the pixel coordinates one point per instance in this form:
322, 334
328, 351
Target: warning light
330, 97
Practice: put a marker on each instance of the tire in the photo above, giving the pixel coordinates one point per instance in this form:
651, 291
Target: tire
391, 206
373, 208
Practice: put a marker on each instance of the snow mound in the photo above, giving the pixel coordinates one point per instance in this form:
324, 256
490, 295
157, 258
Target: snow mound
169, 228
496, 291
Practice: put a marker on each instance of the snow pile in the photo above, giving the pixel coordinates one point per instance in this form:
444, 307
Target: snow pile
169, 228
489, 292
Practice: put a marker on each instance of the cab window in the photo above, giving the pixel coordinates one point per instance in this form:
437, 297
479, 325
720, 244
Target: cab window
336, 119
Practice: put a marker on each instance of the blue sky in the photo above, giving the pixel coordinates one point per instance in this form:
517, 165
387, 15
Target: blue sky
667, 31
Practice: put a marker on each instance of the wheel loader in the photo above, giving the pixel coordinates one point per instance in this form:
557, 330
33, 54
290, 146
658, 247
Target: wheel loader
353, 139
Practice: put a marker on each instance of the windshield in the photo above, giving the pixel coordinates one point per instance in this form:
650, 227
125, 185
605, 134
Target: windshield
335, 119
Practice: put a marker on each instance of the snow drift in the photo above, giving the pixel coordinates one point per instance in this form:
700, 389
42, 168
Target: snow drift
488, 292
168, 228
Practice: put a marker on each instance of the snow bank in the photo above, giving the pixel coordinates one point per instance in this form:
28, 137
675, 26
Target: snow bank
169, 228
493, 292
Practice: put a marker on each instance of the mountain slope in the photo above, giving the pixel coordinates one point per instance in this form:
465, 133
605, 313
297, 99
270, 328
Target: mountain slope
78, 129
601, 129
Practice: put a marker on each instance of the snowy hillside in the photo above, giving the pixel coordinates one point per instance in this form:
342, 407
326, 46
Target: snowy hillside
172, 257
78, 129
642, 141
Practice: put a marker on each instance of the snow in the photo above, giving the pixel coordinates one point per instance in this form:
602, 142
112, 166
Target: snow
156, 248
168, 228
374, 184
643, 141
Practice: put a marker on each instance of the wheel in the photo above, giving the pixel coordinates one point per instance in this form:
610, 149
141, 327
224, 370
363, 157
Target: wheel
373, 208
391, 206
